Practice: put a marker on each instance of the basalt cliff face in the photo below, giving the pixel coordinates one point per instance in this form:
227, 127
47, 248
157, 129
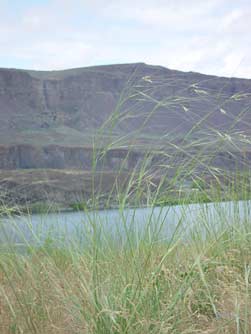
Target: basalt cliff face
83, 99
62, 157
48, 120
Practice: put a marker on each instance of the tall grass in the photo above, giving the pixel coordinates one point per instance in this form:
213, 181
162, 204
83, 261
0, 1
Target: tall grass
196, 280
183, 269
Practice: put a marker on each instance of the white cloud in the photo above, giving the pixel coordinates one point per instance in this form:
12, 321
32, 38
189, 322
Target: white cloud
178, 15
59, 54
231, 18
205, 36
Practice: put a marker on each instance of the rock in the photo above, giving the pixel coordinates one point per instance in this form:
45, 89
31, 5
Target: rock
49, 120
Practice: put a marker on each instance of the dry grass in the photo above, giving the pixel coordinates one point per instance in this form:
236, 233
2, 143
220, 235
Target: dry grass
200, 287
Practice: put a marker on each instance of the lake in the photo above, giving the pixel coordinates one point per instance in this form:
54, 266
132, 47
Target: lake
157, 224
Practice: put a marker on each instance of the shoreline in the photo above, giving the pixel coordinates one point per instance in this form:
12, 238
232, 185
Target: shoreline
78, 207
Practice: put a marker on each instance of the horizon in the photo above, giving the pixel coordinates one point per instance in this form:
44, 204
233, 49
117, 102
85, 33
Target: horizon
120, 64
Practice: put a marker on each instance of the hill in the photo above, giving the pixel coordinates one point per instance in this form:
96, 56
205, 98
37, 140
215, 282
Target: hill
50, 119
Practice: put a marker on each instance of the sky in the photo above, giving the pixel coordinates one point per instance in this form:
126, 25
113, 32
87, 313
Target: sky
208, 36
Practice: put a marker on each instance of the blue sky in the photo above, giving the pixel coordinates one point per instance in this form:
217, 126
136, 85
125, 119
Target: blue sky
192, 35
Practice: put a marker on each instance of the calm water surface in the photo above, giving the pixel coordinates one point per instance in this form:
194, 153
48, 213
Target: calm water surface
107, 226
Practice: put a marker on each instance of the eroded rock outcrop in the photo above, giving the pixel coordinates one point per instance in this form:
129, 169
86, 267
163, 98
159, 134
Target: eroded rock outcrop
61, 157
48, 120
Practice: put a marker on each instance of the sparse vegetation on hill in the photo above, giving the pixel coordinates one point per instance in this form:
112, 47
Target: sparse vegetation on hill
51, 120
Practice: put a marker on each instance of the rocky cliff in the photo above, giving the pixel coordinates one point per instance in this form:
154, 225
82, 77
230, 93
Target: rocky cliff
63, 157
49, 119
153, 98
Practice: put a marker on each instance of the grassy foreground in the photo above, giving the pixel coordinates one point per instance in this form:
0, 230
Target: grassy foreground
193, 285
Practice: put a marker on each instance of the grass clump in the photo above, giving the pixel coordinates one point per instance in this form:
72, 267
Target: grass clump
198, 285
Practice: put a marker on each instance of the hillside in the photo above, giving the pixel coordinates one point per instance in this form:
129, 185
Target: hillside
51, 119
34, 103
